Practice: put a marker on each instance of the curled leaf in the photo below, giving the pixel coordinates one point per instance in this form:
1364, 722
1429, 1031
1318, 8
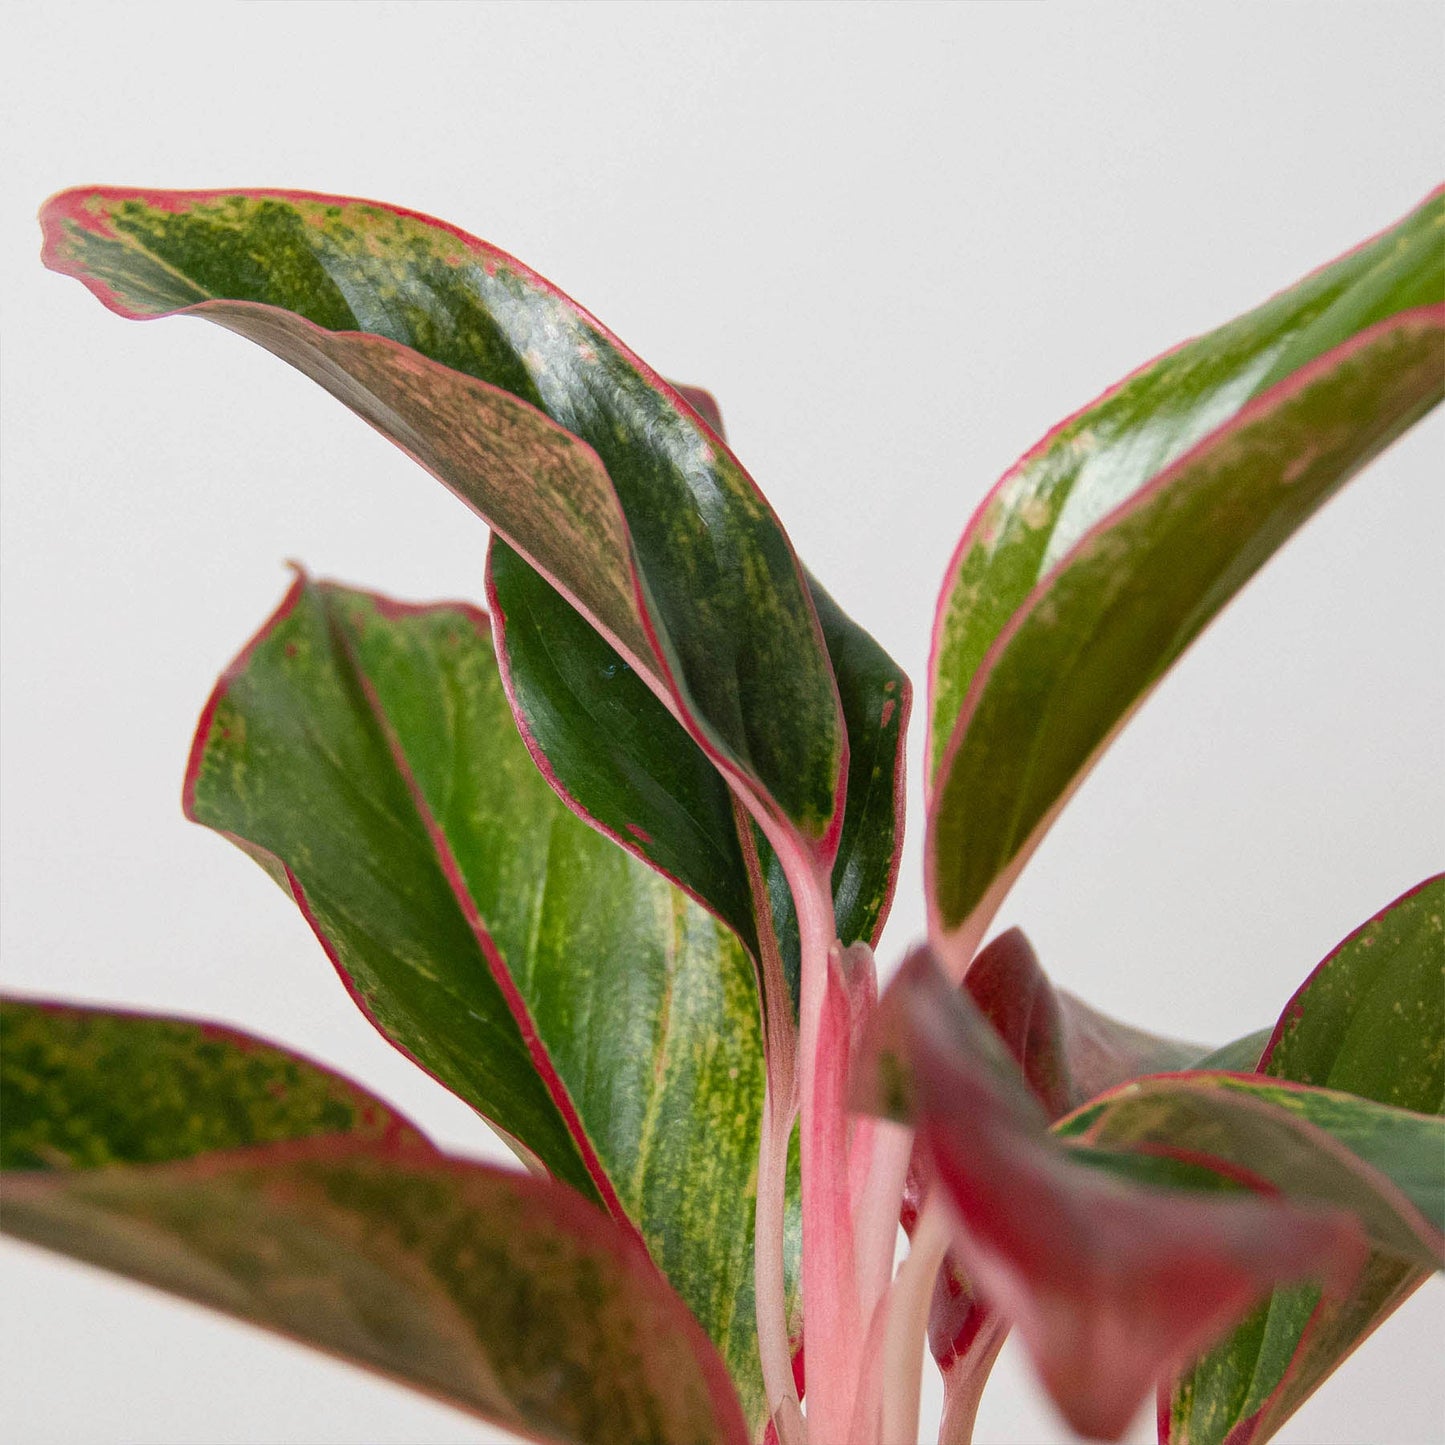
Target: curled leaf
1113, 1282
587, 461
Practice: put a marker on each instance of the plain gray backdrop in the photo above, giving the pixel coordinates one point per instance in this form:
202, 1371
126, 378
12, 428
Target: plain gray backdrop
898, 243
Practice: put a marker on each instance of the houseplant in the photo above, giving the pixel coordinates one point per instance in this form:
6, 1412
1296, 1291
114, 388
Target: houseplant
648, 1021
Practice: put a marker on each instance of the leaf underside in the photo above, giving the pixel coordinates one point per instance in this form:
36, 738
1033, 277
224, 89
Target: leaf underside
1137, 1249
590, 464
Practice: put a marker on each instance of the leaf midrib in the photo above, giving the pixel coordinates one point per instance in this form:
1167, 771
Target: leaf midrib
447, 865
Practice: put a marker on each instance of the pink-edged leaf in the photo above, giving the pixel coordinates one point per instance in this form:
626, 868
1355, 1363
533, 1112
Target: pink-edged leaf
239, 1175
1370, 1020
877, 701
591, 465
1105, 552
364, 751
505, 1296
624, 763
1068, 1053
1113, 1282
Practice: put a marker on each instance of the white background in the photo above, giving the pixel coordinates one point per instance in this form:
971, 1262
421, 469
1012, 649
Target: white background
898, 243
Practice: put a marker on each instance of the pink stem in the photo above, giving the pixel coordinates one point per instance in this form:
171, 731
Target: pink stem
780, 1108
963, 1382
833, 1315
878, 1206
769, 1280
907, 1304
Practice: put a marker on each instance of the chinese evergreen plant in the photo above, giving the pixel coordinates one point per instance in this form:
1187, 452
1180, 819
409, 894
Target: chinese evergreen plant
609, 861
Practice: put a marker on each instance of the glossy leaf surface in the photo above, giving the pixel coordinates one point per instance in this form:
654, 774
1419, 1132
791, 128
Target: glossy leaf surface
1113, 1275
574, 450
616, 753
366, 753
1368, 1021
1105, 552
605, 739
82, 1087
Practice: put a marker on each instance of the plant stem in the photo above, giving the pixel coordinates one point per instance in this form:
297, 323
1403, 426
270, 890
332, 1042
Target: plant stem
877, 1207
907, 1304
780, 1108
769, 1278
830, 1283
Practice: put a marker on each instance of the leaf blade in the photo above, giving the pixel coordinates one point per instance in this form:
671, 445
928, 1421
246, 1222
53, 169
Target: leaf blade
192, 1087
1250, 1384
504, 1296
243, 1176
1371, 1018
591, 464
621, 761
1109, 579
1068, 1051
560, 987
1113, 1278
1107, 451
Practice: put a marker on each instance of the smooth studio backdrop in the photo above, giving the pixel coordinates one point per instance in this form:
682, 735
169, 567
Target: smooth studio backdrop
898, 243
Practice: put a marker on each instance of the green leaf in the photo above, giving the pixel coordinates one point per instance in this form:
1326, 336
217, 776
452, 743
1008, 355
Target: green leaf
82, 1087
1240, 1055
624, 763
877, 698
1107, 549
1371, 1018
366, 753
1368, 1021
591, 465
502, 1295
609, 745
1385, 1165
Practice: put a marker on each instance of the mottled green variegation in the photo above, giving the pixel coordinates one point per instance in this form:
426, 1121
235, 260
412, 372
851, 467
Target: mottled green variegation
590, 464
567, 992
291, 1198
1370, 1020
627, 764
502, 1295
682, 1034
1390, 1172
82, 1087
1108, 549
